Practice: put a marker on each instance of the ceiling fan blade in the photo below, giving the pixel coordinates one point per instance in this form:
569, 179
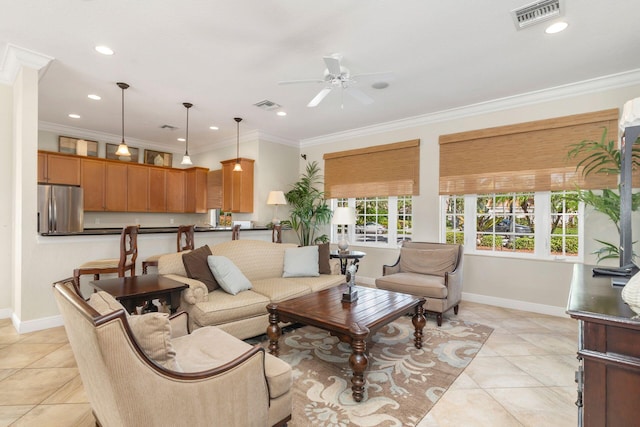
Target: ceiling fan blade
291, 82
319, 97
333, 65
359, 95
385, 76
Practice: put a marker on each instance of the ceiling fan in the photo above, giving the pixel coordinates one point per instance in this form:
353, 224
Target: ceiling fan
338, 76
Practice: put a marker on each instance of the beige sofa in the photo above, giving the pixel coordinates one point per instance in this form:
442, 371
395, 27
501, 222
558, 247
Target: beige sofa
243, 315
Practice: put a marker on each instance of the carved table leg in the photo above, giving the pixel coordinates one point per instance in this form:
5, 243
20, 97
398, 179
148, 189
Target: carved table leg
418, 321
273, 330
358, 360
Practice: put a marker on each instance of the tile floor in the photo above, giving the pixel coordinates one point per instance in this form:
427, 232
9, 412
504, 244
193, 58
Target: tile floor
523, 376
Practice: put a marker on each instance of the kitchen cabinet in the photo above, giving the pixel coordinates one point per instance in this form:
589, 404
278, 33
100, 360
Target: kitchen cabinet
137, 188
58, 169
104, 184
237, 187
175, 190
196, 190
157, 190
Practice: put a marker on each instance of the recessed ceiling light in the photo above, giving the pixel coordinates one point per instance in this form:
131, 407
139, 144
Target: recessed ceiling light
74, 116
94, 97
556, 28
213, 127
380, 85
281, 113
105, 50
181, 139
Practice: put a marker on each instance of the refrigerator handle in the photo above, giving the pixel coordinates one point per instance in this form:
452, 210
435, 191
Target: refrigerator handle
52, 213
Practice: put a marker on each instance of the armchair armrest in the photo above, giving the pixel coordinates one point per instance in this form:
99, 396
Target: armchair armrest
391, 269
179, 324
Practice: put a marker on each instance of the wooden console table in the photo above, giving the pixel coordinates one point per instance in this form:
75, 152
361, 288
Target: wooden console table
609, 352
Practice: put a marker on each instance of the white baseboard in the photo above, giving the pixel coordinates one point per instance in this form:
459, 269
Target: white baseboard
36, 324
550, 310
5, 313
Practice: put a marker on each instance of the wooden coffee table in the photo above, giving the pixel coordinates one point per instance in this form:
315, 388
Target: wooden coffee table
353, 323
132, 291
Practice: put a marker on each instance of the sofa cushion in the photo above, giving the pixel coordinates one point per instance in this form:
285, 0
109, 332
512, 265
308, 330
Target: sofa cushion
301, 262
172, 264
279, 289
228, 275
415, 284
210, 347
324, 281
222, 307
152, 331
256, 259
197, 267
324, 259
429, 261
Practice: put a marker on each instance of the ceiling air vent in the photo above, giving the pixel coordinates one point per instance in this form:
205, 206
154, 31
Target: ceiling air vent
537, 12
267, 105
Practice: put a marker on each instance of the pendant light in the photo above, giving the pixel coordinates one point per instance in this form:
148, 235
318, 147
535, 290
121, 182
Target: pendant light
123, 150
237, 167
186, 160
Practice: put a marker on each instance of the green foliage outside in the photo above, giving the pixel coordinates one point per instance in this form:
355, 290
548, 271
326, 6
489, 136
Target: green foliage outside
455, 237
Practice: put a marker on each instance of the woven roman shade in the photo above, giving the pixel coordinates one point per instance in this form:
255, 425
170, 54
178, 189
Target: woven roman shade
524, 157
380, 170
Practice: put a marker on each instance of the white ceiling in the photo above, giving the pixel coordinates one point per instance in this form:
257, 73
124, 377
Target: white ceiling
224, 56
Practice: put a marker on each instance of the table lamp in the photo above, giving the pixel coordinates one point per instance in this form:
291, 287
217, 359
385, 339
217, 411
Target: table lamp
343, 216
276, 198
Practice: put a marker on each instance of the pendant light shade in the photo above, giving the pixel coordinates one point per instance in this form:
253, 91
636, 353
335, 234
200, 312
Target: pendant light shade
237, 167
186, 160
123, 150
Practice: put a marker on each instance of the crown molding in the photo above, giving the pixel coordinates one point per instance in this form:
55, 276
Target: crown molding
16, 57
599, 84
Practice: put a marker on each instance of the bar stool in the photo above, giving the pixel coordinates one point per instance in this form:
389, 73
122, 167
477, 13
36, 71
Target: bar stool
235, 232
126, 262
276, 234
185, 242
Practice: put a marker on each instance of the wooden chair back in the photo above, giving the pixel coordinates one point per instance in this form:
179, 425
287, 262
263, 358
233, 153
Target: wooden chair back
276, 234
185, 237
235, 232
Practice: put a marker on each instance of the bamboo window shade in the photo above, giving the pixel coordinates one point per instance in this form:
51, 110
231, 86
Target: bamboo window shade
377, 171
214, 189
530, 156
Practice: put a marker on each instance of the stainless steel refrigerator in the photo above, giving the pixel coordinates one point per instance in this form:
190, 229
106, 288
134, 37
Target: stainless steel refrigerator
60, 209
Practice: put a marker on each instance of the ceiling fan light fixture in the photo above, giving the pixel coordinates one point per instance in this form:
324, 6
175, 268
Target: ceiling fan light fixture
123, 150
237, 167
186, 159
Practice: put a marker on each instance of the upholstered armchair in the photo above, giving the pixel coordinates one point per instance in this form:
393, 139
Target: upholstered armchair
148, 370
430, 270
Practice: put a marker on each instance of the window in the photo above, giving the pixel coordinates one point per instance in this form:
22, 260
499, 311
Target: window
380, 221
542, 224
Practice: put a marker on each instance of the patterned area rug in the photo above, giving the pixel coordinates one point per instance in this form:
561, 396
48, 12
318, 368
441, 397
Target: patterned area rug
402, 382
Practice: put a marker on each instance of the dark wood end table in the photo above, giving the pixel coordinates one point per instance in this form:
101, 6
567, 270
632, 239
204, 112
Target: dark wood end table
345, 256
131, 290
353, 323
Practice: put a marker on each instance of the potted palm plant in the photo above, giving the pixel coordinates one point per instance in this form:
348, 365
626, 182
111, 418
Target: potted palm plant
308, 208
603, 157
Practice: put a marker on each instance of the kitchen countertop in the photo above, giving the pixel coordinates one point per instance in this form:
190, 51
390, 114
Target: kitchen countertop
146, 230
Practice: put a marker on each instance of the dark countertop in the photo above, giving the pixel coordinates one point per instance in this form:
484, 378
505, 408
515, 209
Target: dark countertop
146, 230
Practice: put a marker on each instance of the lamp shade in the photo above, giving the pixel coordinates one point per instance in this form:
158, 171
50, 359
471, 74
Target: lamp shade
344, 216
276, 198
630, 114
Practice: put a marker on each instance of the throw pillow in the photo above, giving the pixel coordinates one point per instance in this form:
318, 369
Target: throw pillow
301, 262
196, 266
324, 266
228, 275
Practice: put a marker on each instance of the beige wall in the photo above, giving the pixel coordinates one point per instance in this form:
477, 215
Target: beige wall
539, 285
6, 180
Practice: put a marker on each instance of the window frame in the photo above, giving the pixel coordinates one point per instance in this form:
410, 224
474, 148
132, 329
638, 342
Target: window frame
392, 216
542, 232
